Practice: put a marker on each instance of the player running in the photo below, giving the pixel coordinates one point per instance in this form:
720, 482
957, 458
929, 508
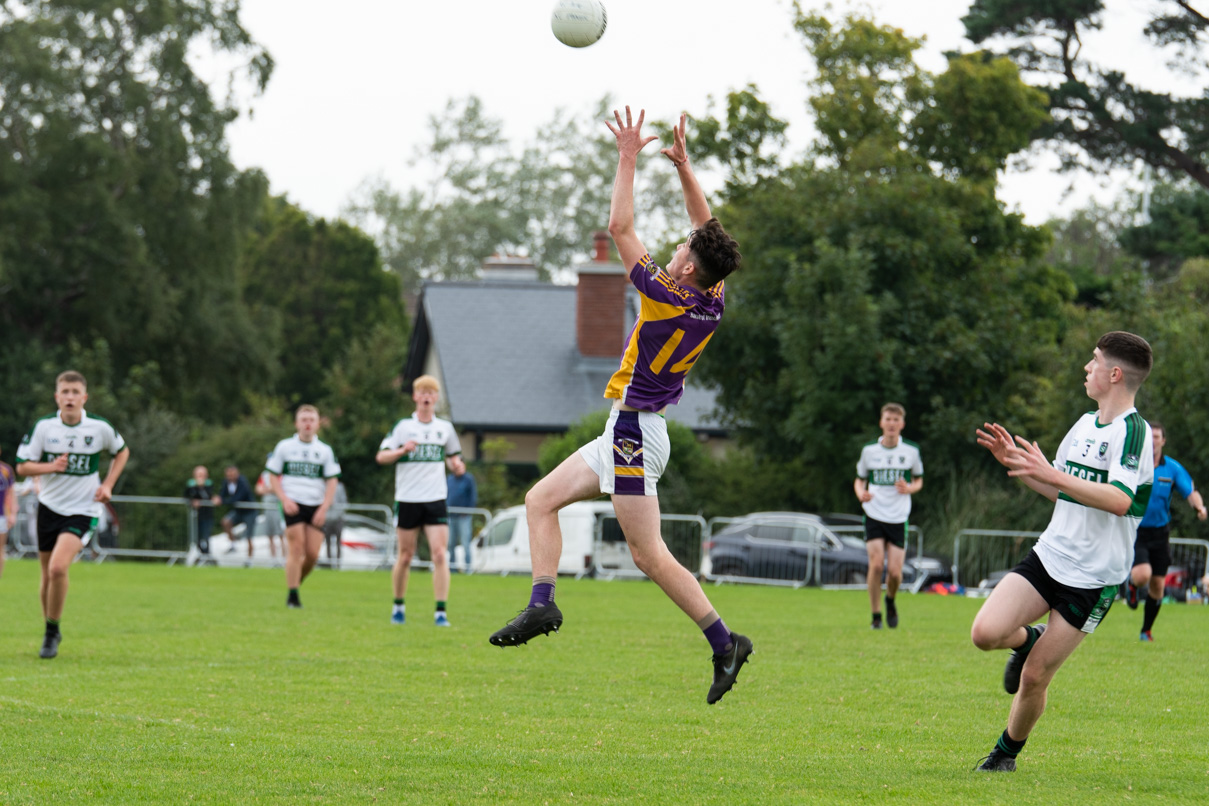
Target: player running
420, 447
888, 473
1100, 483
680, 309
303, 472
66, 448
1152, 550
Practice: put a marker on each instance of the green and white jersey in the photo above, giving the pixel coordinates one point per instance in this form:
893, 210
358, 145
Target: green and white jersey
304, 468
881, 467
420, 475
71, 492
1085, 547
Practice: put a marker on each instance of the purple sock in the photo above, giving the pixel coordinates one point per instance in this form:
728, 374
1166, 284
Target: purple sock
542, 595
718, 637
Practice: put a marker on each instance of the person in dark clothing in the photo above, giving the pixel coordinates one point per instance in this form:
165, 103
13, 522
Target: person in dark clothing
201, 496
463, 492
234, 491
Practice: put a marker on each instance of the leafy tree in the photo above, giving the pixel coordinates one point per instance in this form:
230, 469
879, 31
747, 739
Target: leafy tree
1097, 112
1087, 247
885, 269
120, 211
484, 197
1178, 229
321, 287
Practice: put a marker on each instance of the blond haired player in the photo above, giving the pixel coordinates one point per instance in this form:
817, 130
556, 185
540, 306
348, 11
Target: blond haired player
421, 447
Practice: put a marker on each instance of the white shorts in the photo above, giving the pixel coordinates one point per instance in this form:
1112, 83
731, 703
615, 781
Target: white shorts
3, 525
631, 454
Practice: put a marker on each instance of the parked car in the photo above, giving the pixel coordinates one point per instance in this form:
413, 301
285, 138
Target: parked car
786, 546
503, 544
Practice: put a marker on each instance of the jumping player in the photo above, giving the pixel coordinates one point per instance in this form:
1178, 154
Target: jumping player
303, 472
1152, 550
680, 309
888, 473
1100, 483
66, 448
421, 447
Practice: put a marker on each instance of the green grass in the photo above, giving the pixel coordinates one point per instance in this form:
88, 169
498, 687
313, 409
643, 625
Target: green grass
197, 685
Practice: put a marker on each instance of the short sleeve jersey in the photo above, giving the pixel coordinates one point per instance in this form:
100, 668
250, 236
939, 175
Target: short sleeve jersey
674, 324
71, 492
304, 468
1084, 547
1169, 475
882, 467
420, 475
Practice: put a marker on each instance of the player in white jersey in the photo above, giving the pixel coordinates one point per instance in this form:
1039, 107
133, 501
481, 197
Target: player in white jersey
1100, 483
888, 473
420, 448
303, 472
66, 448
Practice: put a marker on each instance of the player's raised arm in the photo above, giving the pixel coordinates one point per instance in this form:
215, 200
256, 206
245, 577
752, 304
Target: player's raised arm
621, 213
694, 197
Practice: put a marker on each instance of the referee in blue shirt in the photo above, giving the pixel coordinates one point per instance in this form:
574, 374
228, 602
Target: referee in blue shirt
1151, 550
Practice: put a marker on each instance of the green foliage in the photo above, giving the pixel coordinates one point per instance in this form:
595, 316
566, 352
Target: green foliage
1097, 112
1086, 248
1178, 229
496, 490
485, 198
322, 288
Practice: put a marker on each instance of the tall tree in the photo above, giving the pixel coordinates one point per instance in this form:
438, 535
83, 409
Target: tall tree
884, 268
120, 211
321, 286
1097, 112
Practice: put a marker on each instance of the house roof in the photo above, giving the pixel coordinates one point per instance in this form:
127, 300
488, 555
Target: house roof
508, 355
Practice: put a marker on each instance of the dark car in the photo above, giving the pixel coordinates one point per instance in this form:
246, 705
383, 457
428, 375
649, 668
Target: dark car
799, 547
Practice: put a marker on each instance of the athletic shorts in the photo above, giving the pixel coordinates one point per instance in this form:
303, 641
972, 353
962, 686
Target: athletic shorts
51, 524
1153, 546
305, 514
893, 533
631, 454
1082, 608
411, 515
3, 525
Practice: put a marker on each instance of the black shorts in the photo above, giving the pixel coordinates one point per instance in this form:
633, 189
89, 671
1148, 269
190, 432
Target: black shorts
1153, 546
893, 533
305, 514
1082, 608
51, 524
413, 516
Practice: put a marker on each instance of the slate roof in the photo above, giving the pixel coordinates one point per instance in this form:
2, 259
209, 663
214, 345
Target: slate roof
509, 359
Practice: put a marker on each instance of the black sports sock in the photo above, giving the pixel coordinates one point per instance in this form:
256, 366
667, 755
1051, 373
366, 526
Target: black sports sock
1029, 639
1009, 745
1151, 613
52, 626
399, 602
440, 607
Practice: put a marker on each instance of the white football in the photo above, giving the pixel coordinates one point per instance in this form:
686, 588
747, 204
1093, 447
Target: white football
578, 23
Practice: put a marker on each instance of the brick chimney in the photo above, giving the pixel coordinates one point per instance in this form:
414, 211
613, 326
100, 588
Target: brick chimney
600, 326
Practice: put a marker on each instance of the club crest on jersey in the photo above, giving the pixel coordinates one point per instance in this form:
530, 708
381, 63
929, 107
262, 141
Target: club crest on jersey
87, 440
1103, 449
628, 449
902, 460
1130, 462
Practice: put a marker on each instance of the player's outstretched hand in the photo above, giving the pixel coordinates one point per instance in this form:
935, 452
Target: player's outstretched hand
629, 134
1026, 459
678, 153
995, 439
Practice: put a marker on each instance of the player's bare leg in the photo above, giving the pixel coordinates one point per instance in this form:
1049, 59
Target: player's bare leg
571, 481
3, 546
314, 539
876, 552
53, 588
402, 568
1001, 622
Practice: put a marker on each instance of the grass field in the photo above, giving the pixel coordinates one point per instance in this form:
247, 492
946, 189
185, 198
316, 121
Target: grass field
182, 685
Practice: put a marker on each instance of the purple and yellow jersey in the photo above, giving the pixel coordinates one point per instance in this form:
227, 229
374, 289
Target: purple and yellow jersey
674, 325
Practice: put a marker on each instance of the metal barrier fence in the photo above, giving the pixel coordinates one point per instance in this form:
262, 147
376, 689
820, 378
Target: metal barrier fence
1192, 556
981, 557
611, 556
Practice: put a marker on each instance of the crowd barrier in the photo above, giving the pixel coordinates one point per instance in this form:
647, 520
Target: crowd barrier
611, 558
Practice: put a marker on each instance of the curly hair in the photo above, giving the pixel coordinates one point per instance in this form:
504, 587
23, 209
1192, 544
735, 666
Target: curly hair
715, 253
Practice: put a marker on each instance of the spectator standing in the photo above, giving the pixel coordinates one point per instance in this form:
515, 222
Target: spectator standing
8, 507
235, 491
199, 491
274, 526
463, 492
333, 527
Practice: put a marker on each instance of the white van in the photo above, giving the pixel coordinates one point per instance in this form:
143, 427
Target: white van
502, 546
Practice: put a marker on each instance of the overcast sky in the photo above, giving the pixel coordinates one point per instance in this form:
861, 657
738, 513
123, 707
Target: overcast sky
356, 81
